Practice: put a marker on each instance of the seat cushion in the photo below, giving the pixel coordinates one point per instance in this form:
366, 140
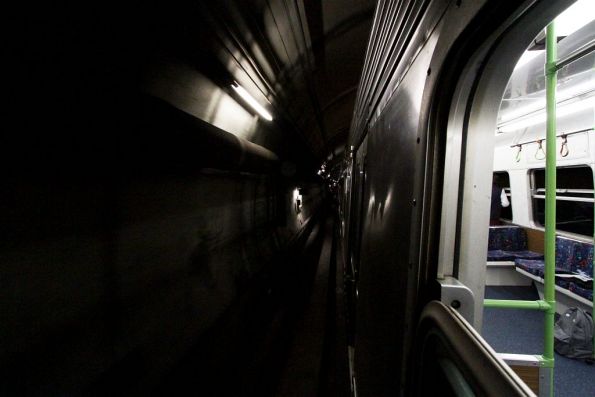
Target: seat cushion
533, 266
563, 282
525, 254
584, 292
499, 256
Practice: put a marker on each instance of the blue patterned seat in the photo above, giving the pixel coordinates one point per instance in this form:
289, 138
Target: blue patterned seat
586, 293
565, 253
563, 282
507, 243
500, 255
583, 259
525, 254
572, 257
507, 238
537, 267
577, 258
532, 266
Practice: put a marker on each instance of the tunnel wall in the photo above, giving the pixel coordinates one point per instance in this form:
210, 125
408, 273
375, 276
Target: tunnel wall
109, 281
141, 199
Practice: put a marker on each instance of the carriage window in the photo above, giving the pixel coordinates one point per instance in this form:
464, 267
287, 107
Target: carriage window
503, 180
574, 202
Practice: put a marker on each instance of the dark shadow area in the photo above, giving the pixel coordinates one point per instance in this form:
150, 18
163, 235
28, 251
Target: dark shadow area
245, 351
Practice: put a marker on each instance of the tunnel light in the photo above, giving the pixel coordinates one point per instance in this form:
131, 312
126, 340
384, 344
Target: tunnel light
297, 200
252, 102
562, 111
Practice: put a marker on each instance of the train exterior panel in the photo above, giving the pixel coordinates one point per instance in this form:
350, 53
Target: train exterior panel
428, 101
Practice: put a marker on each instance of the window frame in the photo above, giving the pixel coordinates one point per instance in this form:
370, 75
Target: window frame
538, 193
508, 191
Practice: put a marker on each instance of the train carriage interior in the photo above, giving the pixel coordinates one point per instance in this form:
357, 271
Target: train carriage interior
515, 264
298, 198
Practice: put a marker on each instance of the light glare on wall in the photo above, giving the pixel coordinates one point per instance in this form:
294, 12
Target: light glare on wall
252, 102
539, 104
539, 118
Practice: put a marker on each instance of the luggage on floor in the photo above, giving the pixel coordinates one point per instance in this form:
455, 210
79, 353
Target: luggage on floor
573, 334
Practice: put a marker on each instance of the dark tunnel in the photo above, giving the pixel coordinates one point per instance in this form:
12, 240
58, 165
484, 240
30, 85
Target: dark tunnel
297, 198
158, 234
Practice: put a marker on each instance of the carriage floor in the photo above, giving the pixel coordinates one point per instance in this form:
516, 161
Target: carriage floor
515, 331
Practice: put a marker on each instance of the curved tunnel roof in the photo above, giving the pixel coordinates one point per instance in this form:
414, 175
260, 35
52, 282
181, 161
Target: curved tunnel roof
88, 74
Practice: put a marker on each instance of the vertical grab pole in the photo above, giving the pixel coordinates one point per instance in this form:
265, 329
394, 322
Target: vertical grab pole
550, 197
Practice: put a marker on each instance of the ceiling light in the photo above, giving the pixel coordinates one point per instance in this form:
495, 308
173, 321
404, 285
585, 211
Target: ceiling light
252, 102
575, 17
572, 19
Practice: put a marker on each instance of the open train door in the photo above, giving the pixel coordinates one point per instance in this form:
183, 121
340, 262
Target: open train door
427, 196
452, 359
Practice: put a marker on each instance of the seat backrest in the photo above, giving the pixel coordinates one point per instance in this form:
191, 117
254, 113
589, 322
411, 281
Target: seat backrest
574, 256
508, 238
565, 253
583, 259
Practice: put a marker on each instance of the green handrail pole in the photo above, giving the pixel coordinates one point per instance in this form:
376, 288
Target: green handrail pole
550, 196
516, 304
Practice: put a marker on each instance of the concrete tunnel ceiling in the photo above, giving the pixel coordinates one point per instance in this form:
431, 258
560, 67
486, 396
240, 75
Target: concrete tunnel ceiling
301, 59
